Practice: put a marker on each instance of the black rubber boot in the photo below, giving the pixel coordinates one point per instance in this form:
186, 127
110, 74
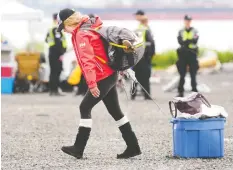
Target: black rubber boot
131, 141
77, 149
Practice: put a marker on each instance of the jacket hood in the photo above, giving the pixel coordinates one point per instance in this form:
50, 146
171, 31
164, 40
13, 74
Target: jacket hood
95, 22
87, 22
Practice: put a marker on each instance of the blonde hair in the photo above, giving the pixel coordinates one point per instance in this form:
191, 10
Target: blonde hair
73, 20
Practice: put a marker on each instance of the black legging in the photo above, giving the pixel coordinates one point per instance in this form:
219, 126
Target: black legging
108, 93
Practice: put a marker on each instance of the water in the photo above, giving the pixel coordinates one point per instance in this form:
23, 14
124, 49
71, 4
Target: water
213, 34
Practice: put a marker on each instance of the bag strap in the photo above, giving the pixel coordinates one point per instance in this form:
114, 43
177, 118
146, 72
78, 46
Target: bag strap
95, 30
171, 111
111, 43
205, 101
101, 60
125, 47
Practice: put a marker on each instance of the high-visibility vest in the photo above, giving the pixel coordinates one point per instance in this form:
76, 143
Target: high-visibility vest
189, 36
141, 33
51, 39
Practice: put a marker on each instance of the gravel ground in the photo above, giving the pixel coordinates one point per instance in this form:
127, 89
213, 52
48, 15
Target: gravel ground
35, 126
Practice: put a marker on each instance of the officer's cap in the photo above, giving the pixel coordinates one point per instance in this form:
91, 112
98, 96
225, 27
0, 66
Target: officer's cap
55, 16
187, 17
139, 12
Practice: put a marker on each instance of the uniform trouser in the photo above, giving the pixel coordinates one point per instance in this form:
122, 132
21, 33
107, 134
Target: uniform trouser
108, 94
54, 78
143, 73
187, 58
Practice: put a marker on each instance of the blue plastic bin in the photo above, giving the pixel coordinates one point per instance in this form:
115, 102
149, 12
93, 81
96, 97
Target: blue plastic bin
7, 84
195, 138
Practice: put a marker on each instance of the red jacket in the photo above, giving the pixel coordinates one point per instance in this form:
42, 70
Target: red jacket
87, 45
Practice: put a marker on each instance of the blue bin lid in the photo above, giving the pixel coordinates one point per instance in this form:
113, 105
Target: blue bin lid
198, 124
193, 120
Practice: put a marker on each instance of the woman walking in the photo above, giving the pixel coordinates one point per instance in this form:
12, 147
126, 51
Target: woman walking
101, 81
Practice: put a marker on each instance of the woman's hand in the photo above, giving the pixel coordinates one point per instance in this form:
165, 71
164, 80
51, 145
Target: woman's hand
95, 92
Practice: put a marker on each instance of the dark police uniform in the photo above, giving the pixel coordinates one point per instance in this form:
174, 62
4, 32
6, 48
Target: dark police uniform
143, 68
187, 56
57, 47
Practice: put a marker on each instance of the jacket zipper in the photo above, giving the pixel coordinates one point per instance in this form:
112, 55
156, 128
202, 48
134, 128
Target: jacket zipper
76, 51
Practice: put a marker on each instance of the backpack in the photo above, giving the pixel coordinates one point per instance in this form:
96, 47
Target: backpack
118, 58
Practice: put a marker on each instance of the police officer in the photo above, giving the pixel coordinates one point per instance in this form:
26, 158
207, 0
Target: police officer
143, 68
57, 47
187, 55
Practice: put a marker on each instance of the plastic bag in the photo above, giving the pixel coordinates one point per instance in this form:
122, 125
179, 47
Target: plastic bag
206, 112
189, 105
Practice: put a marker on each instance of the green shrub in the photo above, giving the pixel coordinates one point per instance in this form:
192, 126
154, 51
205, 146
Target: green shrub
201, 51
164, 59
225, 56
168, 58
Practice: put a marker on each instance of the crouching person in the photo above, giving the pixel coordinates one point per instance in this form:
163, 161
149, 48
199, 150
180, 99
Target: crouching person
101, 81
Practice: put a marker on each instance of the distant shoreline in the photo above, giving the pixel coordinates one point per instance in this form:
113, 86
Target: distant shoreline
159, 13
170, 16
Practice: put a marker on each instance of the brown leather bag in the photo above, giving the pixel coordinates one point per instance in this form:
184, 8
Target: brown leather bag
190, 105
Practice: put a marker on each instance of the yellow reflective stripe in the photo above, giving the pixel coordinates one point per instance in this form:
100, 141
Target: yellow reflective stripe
144, 32
123, 46
144, 36
102, 60
143, 28
98, 27
51, 41
117, 45
138, 45
192, 46
64, 43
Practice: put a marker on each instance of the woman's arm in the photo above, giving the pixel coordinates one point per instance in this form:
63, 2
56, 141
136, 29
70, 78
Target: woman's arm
86, 58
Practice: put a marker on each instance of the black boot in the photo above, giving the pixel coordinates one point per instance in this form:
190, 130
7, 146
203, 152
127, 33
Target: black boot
81, 140
56, 94
131, 141
194, 90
